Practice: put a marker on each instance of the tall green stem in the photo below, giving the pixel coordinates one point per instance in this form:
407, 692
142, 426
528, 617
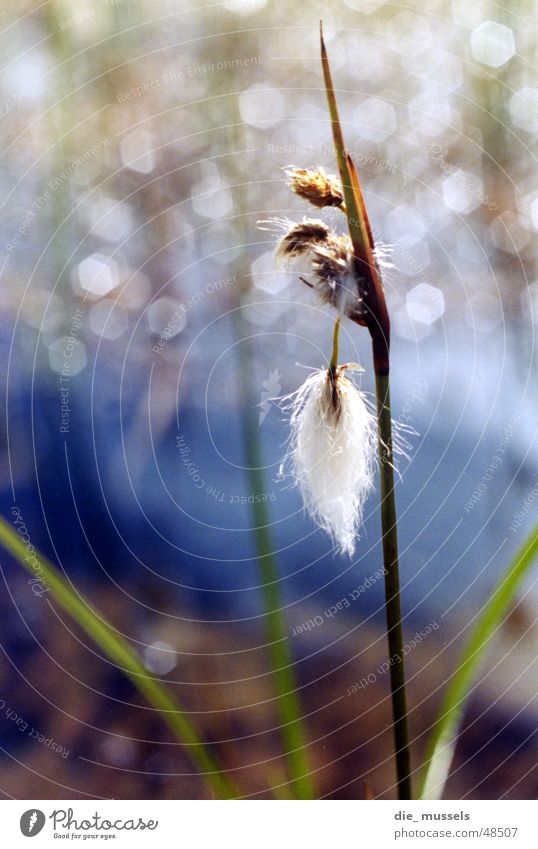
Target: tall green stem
289, 709
287, 698
392, 586
336, 335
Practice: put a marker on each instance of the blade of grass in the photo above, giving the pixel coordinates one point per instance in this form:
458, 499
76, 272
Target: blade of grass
357, 226
288, 703
124, 657
443, 739
289, 708
360, 231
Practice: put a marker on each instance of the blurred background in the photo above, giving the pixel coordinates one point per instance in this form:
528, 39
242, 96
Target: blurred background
146, 334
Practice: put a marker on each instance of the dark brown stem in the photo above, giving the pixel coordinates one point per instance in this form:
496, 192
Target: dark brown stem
392, 586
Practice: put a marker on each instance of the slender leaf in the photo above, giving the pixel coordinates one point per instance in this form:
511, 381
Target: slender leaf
287, 698
288, 704
443, 739
359, 230
357, 225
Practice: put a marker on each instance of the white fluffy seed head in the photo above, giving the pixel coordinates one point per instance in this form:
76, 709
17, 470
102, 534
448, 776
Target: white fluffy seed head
332, 452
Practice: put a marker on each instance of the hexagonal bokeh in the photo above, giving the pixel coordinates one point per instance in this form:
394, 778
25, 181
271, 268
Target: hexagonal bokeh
108, 319
108, 218
508, 233
410, 257
266, 277
430, 114
210, 198
367, 7
408, 328
137, 151
492, 44
165, 316
463, 191
408, 33
97, 276
425, 303
529, 302
534, 213
261, 106
160, 657
67, 356
245, 7
483, 312
404, 222
524, 109
375, 119
256, 309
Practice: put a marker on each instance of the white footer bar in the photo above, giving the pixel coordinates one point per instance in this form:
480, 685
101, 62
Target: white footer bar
269, 825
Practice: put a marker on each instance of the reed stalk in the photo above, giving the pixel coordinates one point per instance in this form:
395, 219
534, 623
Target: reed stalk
378, 323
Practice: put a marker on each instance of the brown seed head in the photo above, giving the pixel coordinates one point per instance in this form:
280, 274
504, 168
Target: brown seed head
333, 399
317, 187
330, 260
301, 238
326, 264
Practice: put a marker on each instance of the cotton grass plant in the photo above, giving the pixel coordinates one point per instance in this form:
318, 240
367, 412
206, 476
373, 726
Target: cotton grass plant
330, 423
333, 434
332, 453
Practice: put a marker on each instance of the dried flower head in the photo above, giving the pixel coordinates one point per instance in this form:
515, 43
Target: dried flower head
300, 238
332, 452
317, 187
324, 261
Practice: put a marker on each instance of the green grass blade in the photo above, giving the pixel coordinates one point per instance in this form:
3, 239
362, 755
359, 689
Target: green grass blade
357, 225
124, 657
289, 707
287, 697
444, 736
359, 228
